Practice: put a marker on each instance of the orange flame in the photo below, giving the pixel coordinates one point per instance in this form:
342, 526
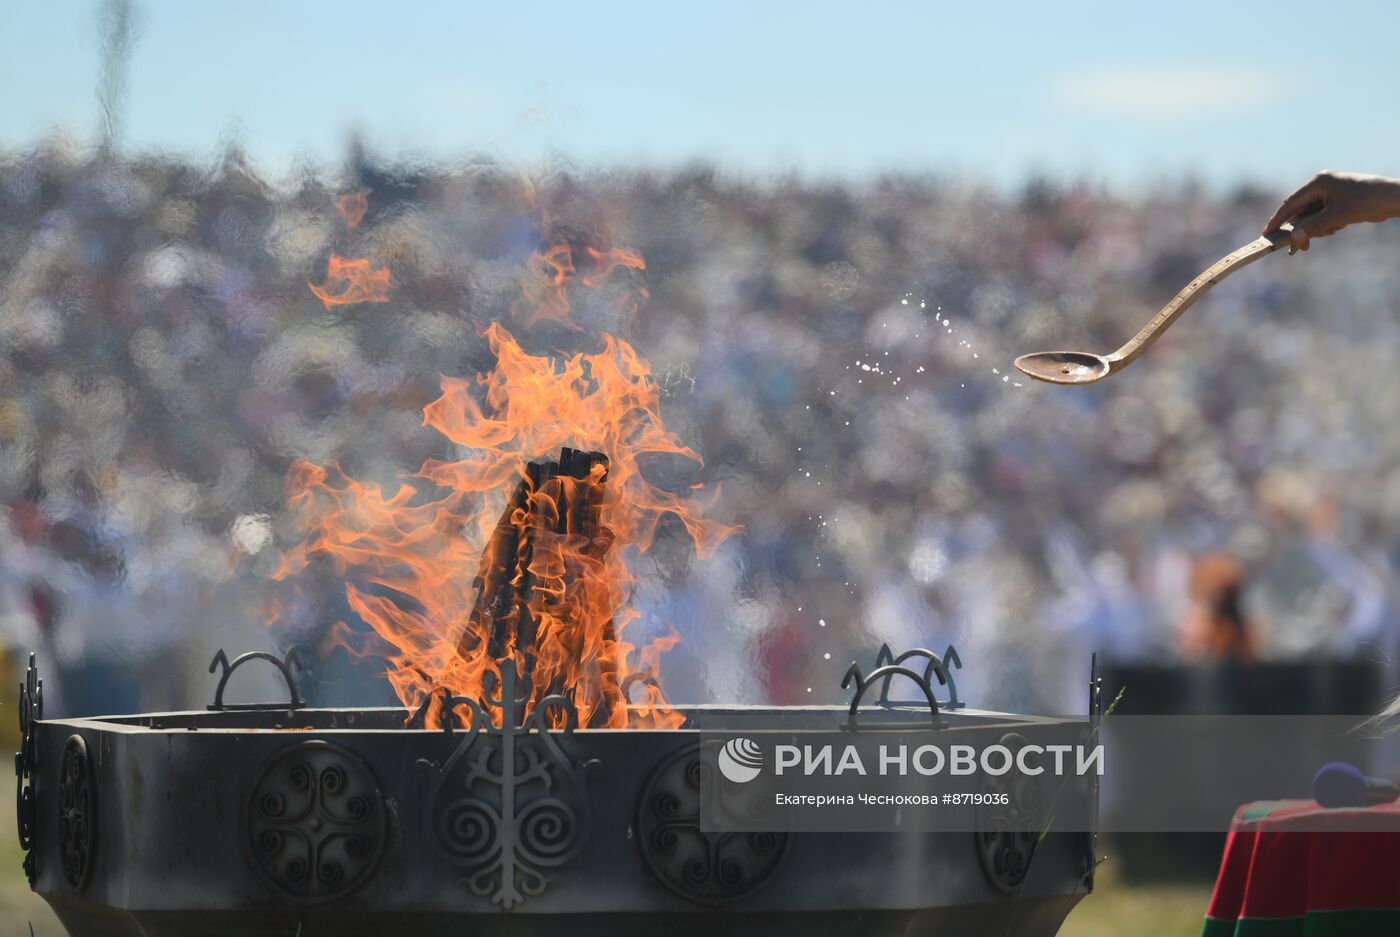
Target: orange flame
545, 284
351, 208
414, 552
353, 280
605, 262
550, 273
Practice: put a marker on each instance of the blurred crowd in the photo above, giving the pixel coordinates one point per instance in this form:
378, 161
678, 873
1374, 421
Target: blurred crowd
839, 354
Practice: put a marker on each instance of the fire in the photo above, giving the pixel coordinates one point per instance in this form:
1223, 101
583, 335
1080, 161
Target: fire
352, 281
520, 548
551, 273
351, 208
605, 262
545, 285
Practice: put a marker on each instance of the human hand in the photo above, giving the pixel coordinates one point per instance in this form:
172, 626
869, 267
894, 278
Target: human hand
1330, 201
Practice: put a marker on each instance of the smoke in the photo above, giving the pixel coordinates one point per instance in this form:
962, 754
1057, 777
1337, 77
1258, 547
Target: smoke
118, 26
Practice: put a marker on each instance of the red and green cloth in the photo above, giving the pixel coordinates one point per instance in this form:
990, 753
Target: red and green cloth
1294, 869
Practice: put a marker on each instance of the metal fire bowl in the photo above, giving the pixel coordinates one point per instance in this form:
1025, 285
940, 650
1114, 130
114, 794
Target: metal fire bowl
342, 822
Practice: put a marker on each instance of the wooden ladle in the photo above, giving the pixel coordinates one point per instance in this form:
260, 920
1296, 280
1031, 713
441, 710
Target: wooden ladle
1082, 367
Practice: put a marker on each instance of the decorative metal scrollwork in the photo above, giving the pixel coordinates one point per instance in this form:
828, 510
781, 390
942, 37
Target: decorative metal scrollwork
448, 715
77, 812
284, 666
940, 667
1095, 692
315, 822
705, 866
863, 683
1091, 850
506, 805
31, 710
634, 680
1008, 833
888, 666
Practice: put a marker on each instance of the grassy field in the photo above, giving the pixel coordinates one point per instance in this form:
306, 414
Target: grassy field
1117, 908
18, 905
1112, 911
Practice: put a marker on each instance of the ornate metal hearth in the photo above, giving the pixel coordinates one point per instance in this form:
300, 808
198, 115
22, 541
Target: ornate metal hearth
281, 819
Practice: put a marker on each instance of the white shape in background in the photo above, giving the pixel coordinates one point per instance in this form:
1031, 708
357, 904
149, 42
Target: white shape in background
1168, 93
251, 532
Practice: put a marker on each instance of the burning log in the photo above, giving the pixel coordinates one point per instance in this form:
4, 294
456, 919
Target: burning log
536, 569
546, 584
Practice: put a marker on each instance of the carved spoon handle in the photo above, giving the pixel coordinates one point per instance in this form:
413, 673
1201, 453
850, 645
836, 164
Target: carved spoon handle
1222, 268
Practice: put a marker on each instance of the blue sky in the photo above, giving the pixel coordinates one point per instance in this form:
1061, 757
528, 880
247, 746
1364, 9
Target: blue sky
1120, 91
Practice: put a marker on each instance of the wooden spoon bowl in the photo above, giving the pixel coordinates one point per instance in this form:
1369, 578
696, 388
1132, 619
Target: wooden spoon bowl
1083, 367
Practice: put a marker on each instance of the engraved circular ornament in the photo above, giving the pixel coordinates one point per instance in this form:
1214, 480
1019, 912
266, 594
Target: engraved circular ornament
77, 809
1007, 834
703, 865
315, 822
